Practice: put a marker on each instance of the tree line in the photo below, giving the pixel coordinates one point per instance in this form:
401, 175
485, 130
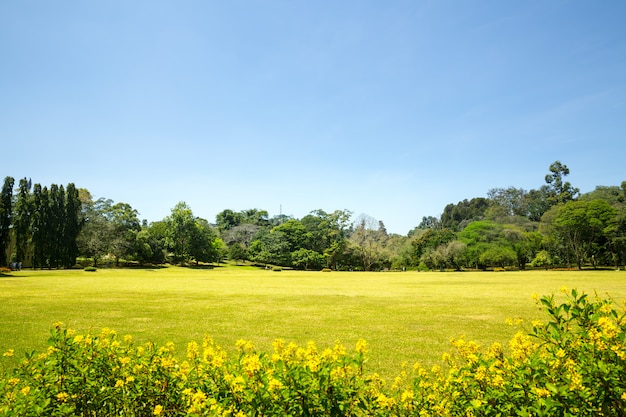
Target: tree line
551, 226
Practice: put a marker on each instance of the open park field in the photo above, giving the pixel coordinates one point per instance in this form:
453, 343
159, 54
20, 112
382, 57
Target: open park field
404, 316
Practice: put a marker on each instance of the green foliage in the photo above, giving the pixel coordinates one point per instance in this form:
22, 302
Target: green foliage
571, 365
90, 269
6, 214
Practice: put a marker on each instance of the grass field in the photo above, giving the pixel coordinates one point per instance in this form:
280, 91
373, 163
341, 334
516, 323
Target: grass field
404, 316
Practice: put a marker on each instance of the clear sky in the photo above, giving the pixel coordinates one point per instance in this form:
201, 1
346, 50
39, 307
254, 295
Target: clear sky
388, 108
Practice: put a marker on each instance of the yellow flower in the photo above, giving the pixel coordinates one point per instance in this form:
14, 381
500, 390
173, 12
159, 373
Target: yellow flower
62, 396
158, 409
25, 390
192, 350
407, 396
251, 364
9, 353
361, 346
384, 401
130, 379
541, 392
128, 338
275, 385
119, 383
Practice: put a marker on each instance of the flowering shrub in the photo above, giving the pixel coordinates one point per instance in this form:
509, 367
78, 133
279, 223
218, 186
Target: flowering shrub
571, 365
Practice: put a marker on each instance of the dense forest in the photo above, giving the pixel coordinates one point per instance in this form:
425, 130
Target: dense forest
551, 226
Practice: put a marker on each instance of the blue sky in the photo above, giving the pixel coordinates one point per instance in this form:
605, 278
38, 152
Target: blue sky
388, 108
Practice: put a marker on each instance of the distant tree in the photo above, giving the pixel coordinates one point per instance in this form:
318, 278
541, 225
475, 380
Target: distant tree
237, 252
271, 247
583, 227
367, 244
124, 223
428, 241
496, 255
228, 219
537, 203
307, 259
511, 199
429, 222
96, 235
255, 216
561, 191
6, 214
181, 231
457, 216
204, 243
242, 234
294, 234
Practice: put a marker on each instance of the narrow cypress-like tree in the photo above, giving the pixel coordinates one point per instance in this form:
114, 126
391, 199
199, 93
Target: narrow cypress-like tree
23, 214
55, 225
40, 229
6, 211
73, 224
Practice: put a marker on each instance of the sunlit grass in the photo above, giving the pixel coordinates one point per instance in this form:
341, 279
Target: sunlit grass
404, 316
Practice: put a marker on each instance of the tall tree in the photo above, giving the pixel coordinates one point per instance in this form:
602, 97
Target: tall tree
6, 213
23, 219
181, 230
561, 191
40, 226
125, 226
73, 224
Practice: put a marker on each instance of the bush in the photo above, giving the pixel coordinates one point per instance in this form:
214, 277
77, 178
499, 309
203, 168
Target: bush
572, 365
91, 269
326, 270
277, 268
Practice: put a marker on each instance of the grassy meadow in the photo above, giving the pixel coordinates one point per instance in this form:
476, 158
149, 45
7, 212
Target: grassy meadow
404, 316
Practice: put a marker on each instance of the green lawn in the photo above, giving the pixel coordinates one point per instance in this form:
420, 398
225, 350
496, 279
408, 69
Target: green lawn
404, 316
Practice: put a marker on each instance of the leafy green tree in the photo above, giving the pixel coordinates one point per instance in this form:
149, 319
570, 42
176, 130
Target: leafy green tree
447, 255
237, 252
307, 259
98, 231
583, 227
496, 255
204, 244
6, 214
367, 244
181, 232
536, 203
428, 241
328, 234
124, 225
512, 200
271, 247
295, 235
487, 237
227, 219
151, 243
